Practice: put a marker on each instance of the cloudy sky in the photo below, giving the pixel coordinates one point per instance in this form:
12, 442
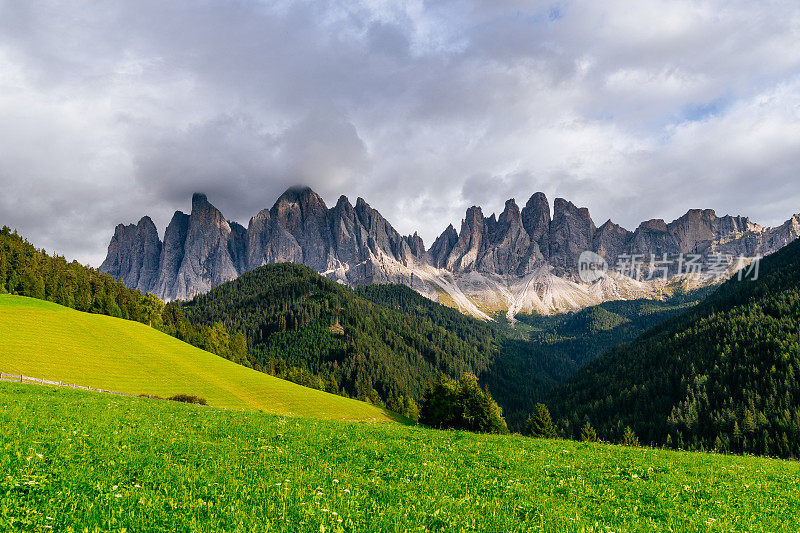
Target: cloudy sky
636, 109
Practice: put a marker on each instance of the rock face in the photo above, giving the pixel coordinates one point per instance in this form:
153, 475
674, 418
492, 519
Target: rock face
521, 260
571, 232
208, 260
202, 250
134, 255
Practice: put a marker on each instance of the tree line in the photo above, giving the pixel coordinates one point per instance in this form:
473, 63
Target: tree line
722, 376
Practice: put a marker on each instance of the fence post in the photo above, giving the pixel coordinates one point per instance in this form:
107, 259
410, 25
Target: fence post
20, 378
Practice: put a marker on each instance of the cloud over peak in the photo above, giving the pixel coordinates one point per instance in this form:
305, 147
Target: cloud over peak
642, 110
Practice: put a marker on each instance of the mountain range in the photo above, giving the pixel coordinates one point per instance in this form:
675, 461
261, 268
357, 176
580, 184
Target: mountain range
524, 260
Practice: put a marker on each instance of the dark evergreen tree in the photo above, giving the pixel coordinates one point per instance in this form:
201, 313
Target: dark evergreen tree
540, 424
462, 404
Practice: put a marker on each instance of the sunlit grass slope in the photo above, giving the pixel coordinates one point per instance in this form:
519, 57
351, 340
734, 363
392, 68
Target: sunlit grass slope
42, 339
79, 461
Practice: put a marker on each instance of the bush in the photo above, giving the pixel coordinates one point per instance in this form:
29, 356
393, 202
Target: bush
188, 398
462, 404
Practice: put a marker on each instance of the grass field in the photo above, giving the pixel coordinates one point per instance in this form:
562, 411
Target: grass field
45, 340
74, 460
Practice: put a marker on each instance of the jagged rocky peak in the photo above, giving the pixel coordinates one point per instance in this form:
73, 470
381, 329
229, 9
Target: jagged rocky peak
207, 260
343, 204
302, 196
611, 240
205, 214
564, 208
415, 244
297, 205
472, 227
346, 232
464, 255
510, 249
536, 216
442, 246
172, 253
487, 263
133, 254
510, 214
199, 200
571, 232
653, 237
383, 239
654, 224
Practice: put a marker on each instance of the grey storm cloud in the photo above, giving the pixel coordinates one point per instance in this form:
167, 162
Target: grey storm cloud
113, 110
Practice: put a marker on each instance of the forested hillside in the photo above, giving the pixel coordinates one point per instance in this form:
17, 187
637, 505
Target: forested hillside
387, 342
293, 317
26, 271
522, 374
538, 352
720, 376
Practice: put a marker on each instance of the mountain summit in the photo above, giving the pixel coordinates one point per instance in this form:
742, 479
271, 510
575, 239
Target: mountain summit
520, 261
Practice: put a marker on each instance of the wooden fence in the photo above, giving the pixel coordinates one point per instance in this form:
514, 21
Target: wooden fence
21, 378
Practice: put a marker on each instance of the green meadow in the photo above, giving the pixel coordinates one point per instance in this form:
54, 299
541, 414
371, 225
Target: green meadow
45, 340
83, 461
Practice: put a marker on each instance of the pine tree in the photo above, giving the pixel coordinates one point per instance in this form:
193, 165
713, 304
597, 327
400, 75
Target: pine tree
629, 438
588, 434
737, 435
540, 424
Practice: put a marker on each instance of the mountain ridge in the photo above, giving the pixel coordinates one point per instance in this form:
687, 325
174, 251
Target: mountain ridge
523, 260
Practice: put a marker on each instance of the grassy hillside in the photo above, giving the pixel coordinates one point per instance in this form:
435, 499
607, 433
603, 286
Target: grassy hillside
27, 271
73, 460
42, 339
723, 375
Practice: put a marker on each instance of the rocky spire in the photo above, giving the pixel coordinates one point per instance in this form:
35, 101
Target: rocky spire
509, 244
133, 254
471, 239
300, 215
172, 254
536, 221
207, 261
571, 233
442, 246
611, 240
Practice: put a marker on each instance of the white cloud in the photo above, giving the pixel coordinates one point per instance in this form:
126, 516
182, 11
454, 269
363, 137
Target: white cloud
636, 110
